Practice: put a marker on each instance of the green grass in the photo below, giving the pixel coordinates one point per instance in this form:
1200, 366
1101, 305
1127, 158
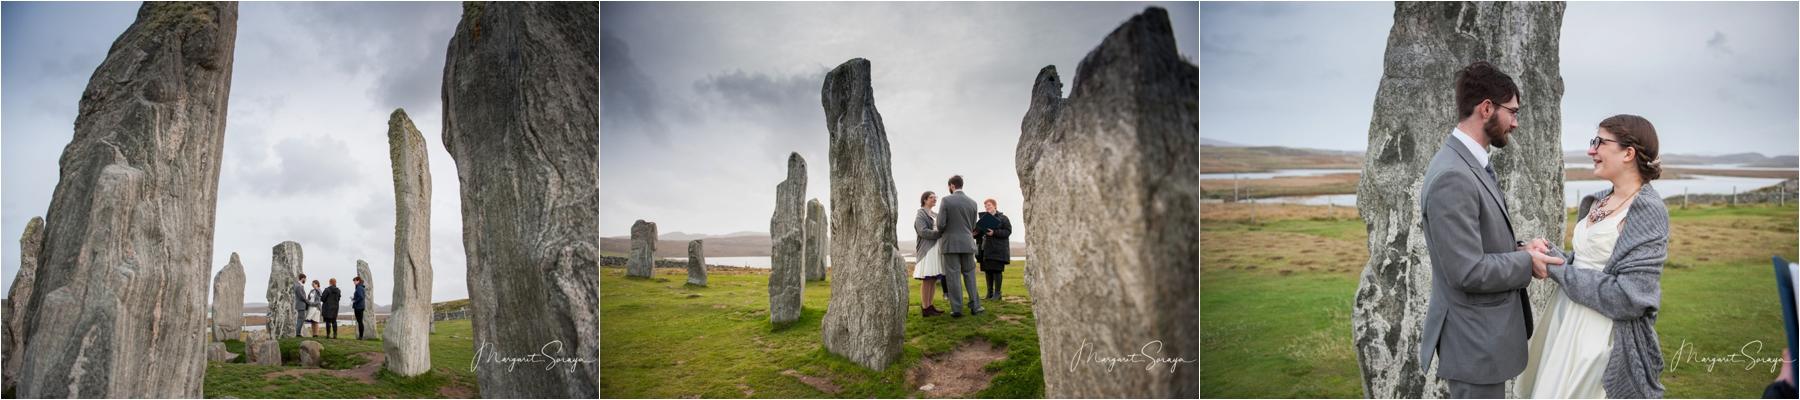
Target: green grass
452, 351
1279, 331
657, 341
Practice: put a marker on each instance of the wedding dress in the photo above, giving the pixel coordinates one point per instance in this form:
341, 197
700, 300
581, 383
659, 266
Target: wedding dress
1570, 348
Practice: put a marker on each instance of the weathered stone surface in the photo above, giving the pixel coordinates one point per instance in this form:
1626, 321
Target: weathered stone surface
285, 266
18, 298
407, 340
696, 263
309, 354
264, 352
521, 121
816, 239
1415, 110
369, 307
865, 320
119, 307
215, 352
787, 237
228, 301
643, 250
1119, 279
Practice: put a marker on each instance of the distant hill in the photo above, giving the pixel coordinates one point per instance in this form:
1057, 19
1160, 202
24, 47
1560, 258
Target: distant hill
1755, 160
739, 244
1206, 141
1223, 159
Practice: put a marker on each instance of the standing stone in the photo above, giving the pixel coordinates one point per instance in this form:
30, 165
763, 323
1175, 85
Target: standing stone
787, 234
696, 263
1415, 109
18, 299
643, 250
1123, 280
521, 120
228, 301
285, 266
407, 340
264, 352
815, 241
215, 352
369, 307
119, 307
865, 320
309, 354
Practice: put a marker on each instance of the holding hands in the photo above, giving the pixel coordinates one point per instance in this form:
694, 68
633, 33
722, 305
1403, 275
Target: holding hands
1540, 261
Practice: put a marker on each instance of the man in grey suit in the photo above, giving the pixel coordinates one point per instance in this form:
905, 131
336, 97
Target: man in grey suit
958, 214
1479, 319
300, 305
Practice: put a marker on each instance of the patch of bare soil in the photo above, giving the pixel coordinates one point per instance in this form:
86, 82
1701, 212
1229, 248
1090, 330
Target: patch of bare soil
364, 373
958, 373
824, 385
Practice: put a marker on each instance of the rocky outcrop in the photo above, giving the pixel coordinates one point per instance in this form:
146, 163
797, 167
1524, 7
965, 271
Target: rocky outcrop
228, 301
129, 233
866, 318
1123, 281
18, 298
1415, 109
285, 266
696, 264
643, 250
816, 235
369, 307
787, 236
521, 121
407, 341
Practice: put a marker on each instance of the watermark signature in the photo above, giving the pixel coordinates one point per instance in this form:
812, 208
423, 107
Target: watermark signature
1749, 354
1150, 354
548, 355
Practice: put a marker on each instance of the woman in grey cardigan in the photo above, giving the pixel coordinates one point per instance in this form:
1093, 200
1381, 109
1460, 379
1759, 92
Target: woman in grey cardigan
1599, 337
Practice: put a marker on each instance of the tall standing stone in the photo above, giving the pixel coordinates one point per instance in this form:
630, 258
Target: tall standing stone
407, 340
1123, 280
787, 237
119, 308
1415, 109
18, 298
286, 263
696, 264
369, 307
228, 301
816, 234
521, 120
865, 320
642, 263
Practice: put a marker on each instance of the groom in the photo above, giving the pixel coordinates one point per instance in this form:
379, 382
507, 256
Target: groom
1480, 315
958, 213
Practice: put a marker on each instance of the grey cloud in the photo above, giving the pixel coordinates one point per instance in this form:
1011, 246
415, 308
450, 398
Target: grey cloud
313, 165
629, 101
1717, 44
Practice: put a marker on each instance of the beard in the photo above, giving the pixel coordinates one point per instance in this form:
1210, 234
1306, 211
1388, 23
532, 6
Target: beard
1496, 133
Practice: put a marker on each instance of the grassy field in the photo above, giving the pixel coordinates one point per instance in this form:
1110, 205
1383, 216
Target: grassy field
452, 352
1276, 299
1345, 183
661, 338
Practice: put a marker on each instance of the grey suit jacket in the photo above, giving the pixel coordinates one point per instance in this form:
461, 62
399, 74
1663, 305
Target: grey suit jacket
300, 297
958, 212
1480, 317
927, 230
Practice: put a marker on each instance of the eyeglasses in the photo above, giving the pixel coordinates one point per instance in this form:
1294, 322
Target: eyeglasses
1597, 141
1515, 111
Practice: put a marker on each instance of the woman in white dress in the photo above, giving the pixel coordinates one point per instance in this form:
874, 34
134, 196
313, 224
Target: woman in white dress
312, 310
930, 267
1598, 338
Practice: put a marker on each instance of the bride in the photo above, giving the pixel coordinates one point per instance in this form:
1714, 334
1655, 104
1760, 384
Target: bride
930, 267
1599, 339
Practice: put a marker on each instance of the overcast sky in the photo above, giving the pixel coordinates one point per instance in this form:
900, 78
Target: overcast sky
1715, 78
306, 153
702, 102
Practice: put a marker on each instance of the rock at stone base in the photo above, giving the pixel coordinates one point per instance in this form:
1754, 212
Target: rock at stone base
264, 352
215, 352
309, 354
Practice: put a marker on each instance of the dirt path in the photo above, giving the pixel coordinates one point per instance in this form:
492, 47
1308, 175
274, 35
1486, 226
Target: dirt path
364, 373
957, 373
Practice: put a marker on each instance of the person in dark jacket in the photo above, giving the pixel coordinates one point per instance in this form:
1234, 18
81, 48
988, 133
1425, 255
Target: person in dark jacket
356, 305
992, 230
330, 308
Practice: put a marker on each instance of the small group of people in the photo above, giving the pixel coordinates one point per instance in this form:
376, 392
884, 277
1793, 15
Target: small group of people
945, 251
322, 306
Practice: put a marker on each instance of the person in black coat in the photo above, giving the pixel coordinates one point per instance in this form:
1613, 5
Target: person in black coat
992, 229
330, 308
356, 305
